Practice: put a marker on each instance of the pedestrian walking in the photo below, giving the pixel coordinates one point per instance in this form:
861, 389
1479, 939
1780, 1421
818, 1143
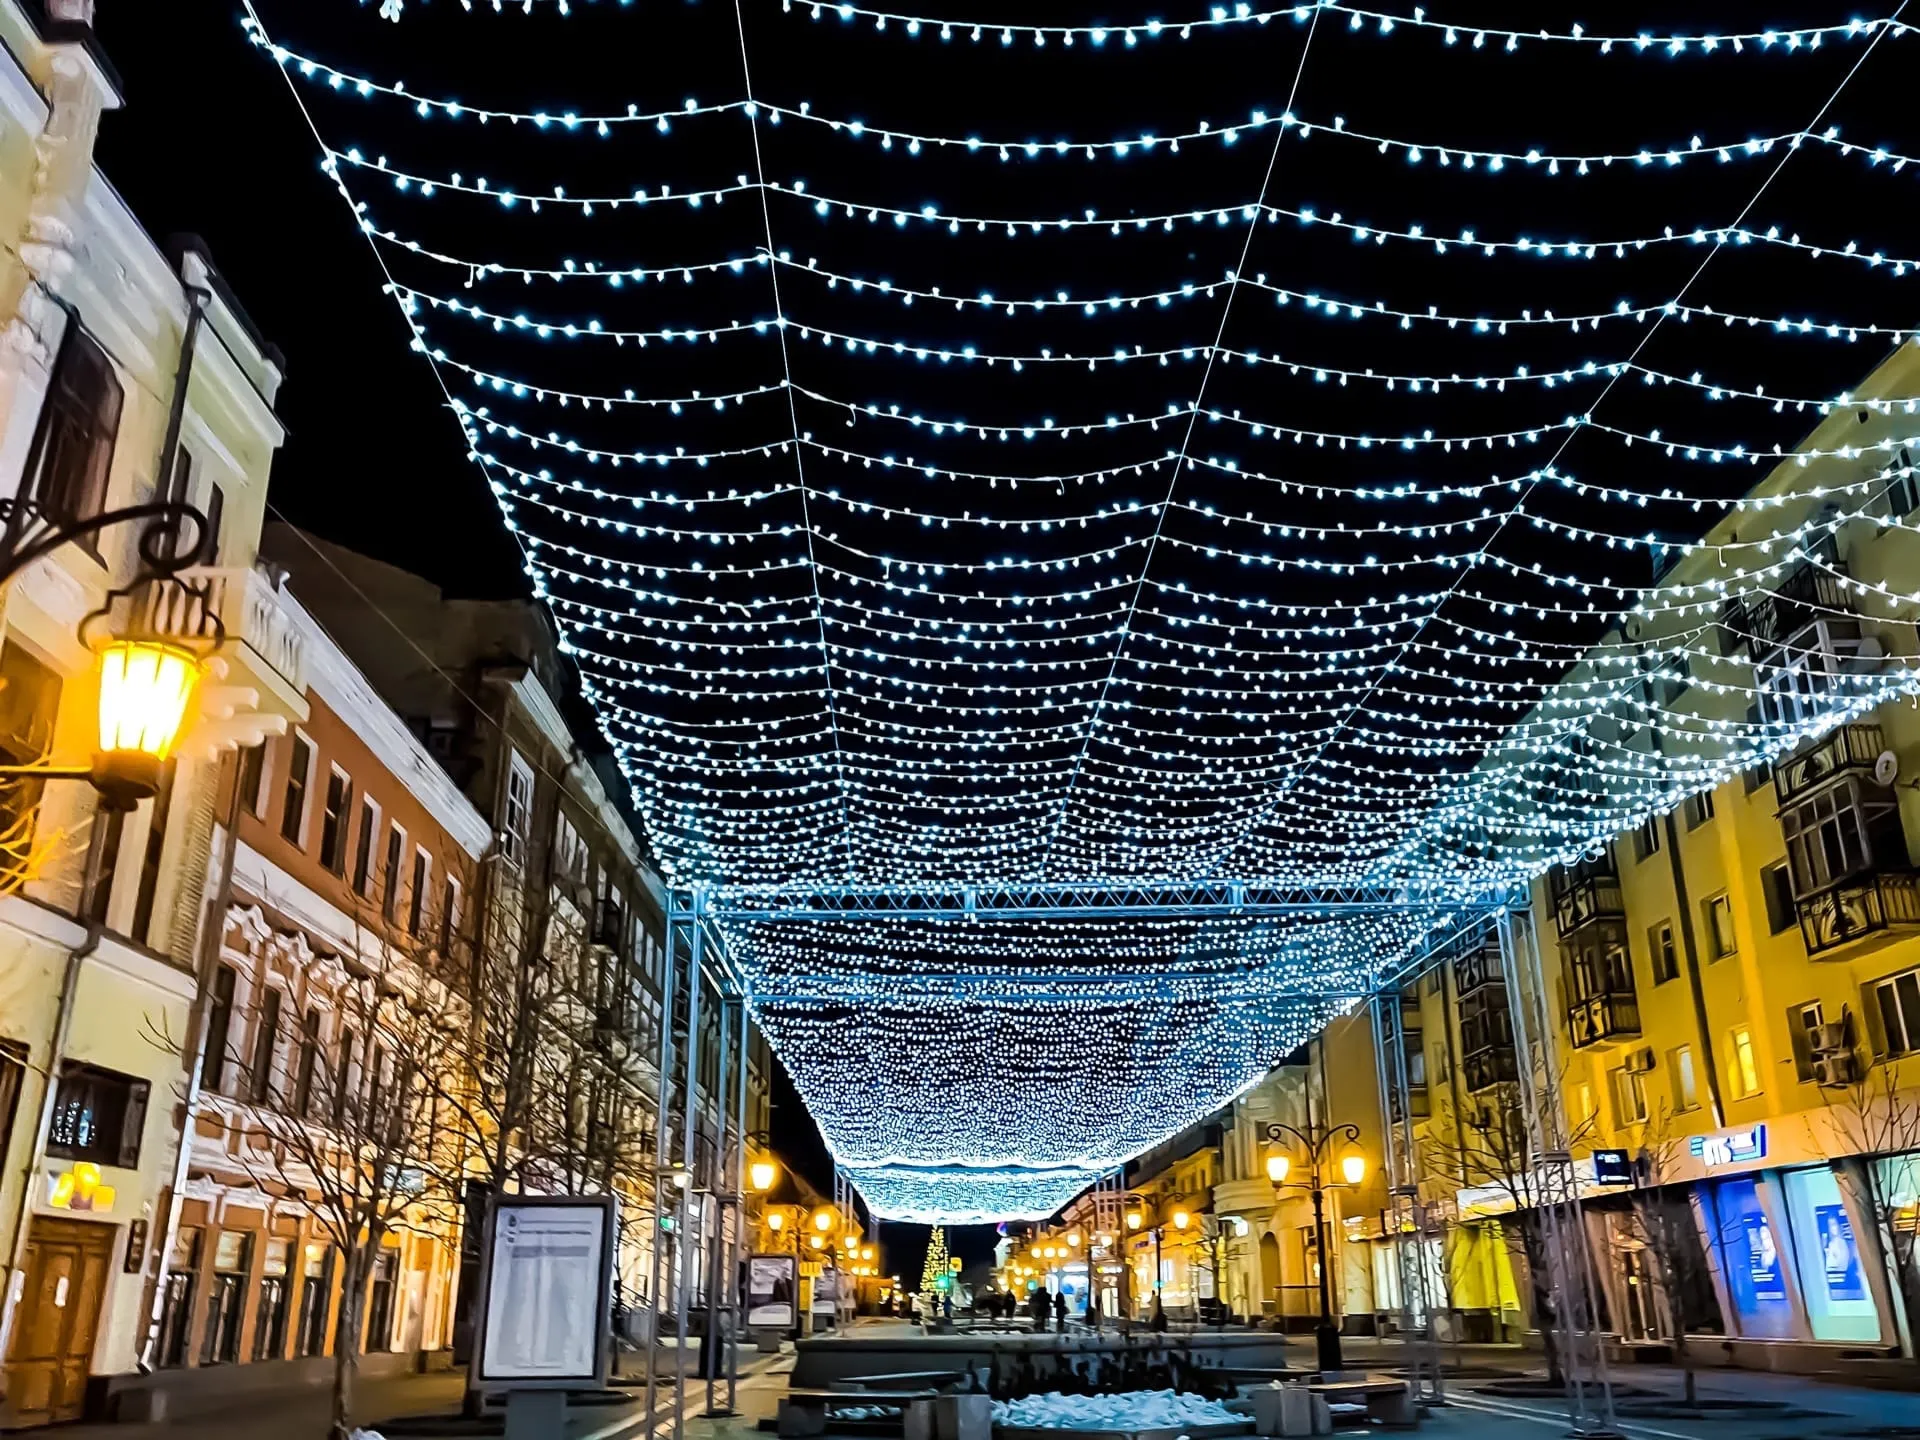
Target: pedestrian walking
1093, 1311
1157, 1316
1060, 1312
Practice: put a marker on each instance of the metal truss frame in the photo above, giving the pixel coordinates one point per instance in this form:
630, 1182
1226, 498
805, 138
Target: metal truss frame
1013, 900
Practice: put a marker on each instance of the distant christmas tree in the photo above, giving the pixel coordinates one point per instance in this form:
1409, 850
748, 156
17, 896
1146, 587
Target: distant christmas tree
935, 1275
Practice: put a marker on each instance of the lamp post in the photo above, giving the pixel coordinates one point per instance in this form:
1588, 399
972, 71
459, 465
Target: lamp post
1315, 1141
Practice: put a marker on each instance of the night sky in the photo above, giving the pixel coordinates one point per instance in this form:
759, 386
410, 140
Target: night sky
212, 142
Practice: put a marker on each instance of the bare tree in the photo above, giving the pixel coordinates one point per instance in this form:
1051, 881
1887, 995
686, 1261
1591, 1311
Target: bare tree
1667, 1222
349, 1114
1489, 1145
1879, 1116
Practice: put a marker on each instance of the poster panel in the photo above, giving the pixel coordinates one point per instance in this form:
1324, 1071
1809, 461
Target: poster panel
772, 1285
546, 1293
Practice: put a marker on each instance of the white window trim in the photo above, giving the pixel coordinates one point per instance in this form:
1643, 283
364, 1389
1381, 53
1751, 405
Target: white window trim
393, 892
420, 892
297, 736
518, 838
376, 842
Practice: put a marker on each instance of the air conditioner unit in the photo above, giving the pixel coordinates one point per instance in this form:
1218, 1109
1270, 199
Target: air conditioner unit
1829, 1038
1837, 1067
1641, 1060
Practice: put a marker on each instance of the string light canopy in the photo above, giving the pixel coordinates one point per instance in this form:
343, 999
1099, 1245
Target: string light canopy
1257, 500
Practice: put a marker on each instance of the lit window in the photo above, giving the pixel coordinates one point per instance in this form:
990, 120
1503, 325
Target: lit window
1746, 1069
1719, 917
1630, 1095
1680, 1070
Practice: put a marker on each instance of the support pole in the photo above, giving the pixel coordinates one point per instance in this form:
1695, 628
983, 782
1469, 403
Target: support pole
1590, 1413
736, 1309
657, 1240
690, 1068
1405, 1215
718, 1202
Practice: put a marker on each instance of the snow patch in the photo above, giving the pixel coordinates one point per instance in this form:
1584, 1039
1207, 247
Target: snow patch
1136, 1410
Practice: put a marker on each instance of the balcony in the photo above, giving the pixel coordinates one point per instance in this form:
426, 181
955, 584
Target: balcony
1809, 594
1489, 1066
1477, 969
1589, 891
1601, 1018
1851, 748
265, 644
1858, 907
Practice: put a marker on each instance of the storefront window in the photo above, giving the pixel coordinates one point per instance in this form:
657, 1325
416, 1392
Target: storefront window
1751, 1259
1832, 1275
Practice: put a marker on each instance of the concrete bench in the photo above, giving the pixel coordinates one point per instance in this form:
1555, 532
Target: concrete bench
1389, 1401
808, 1412
904, 1380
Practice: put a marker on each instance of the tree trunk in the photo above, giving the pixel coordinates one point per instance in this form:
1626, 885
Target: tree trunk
346, 1341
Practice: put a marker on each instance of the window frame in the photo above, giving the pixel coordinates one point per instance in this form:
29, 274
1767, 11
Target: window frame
343, 821
294, 831
1722, 945
364, 879
516, 816
420, 887
85, 421
1662, 953
1684, 1076
1743, 1063
1646, 838
1783, 911
1698, 809
392, 875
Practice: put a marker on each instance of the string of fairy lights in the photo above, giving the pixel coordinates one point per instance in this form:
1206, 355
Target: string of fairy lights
1013, 491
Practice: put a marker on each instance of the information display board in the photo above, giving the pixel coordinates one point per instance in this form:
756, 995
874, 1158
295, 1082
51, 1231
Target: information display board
772, 1285
546, 1292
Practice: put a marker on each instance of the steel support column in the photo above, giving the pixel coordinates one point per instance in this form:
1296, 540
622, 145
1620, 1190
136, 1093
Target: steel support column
736, 1305
660, 1240
1405, 1216
1575, 1318
687, 1247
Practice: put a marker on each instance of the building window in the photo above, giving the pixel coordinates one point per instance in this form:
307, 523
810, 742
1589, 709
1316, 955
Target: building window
226, 1297
1746, 1069
316, 1295
1903, 493
72, 452
518, 820
303, 1101
115, 825
1646, 840
417, 901
13, 1070
293, 808
270, 1320
213, 1062
1804, 1022
1718, 913
1680, 1072
363, 854
253, 774
1630, 1095
334, 820
216, 513
1832, 836
1758, 777
1898, 1001
449, 914
98, 1116
1699, 809
345, 1102
1777, 884
391, 873
266, 1038
1666, 960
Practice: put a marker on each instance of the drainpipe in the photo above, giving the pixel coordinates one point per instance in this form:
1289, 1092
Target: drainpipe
56, 1052
197, 298
192, 1054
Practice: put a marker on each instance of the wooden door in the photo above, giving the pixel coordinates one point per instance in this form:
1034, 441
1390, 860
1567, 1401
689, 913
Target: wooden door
53, 1335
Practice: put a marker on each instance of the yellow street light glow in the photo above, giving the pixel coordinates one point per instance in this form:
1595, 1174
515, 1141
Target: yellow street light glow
866, 1252
1074, 1239
823, 1219
776, 1220
1354, 1167
819, 1241
144, 690
1133, 1220
850, 1243
761, 1174
1181, 1219
1277, 1168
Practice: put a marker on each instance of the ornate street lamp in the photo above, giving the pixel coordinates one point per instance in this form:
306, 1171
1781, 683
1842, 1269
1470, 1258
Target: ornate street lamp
1316, 1141
761, 1175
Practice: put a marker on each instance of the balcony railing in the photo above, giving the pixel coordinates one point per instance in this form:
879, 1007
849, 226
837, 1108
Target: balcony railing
249, 609
1850, 748
1476, 970
1600, 1018
1581, 899
1810, 593
1488, 1067
1858, 907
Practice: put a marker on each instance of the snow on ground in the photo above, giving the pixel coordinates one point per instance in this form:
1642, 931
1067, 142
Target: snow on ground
1136, 1410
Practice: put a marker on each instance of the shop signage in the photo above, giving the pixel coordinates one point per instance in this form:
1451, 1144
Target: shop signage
1612, 1167
1729, 1147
